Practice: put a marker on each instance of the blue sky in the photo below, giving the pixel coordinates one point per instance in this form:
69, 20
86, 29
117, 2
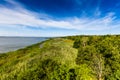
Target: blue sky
59, 17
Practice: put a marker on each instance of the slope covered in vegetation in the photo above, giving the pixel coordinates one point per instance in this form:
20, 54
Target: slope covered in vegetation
68, 58
48, 60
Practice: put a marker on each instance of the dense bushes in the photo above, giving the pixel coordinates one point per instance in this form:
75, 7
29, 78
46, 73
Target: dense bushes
69, 58
101, 53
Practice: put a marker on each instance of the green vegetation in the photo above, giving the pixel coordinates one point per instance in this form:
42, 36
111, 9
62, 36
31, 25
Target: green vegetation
67, 58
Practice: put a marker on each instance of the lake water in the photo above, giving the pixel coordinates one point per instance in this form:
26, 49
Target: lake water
13, 43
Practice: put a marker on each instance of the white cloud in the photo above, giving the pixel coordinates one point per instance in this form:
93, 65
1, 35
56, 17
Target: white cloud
27, 18
21, 16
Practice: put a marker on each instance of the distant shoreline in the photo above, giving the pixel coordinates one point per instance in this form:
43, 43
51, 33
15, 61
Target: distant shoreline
23, 37
8, 44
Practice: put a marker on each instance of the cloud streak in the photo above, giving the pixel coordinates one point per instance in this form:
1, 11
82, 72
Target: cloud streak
27, 18
22, 17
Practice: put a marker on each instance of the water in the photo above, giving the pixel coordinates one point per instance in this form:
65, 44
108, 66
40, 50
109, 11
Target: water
13, 43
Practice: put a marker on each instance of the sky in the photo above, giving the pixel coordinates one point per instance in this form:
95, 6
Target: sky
48, 18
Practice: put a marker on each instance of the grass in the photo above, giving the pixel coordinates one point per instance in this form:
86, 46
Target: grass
28, 63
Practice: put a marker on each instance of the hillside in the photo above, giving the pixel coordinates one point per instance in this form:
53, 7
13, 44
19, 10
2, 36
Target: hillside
67, 58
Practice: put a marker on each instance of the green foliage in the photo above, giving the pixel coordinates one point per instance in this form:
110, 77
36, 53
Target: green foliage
49, 60
84, 72
102, 54
66, 58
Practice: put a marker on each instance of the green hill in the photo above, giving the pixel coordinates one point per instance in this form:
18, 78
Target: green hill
68, 58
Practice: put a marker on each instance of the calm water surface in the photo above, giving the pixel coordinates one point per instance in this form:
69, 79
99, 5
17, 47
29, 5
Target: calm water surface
13, 43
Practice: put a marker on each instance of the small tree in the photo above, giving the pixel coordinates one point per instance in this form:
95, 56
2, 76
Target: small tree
98, 65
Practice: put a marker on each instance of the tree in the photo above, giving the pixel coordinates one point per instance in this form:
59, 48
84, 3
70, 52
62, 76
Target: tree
92, 58
98, 65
